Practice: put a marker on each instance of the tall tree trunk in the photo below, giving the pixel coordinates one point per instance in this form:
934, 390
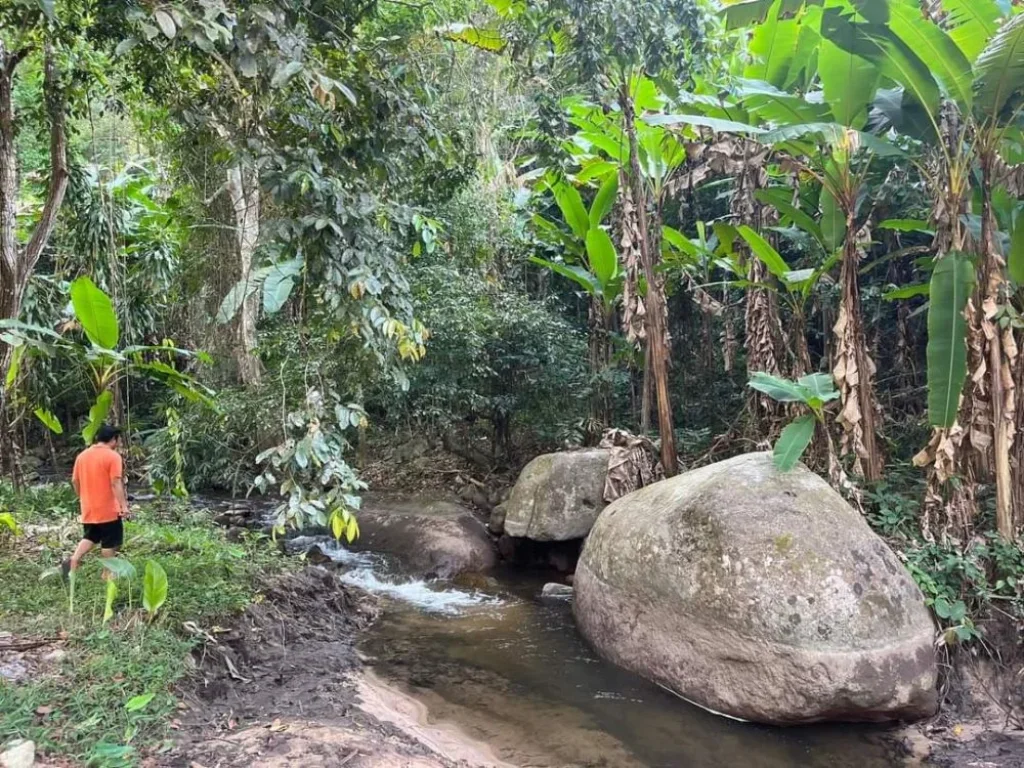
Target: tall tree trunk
243, 186
1002, 354
950, 506
647, 396
854, 370
17, 264
656, 311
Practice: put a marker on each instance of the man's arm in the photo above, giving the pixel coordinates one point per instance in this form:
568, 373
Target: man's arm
122, 498
75, 483
117, 484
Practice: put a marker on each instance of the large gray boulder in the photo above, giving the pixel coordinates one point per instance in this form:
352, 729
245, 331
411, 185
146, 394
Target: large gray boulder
558, 496
431, 537
759, 595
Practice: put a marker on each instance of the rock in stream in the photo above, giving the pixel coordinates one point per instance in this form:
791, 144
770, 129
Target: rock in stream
760, 595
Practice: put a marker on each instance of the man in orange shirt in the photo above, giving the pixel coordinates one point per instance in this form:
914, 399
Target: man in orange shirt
98, 481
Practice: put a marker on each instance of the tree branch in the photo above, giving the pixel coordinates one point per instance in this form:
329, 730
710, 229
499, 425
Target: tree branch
58, 168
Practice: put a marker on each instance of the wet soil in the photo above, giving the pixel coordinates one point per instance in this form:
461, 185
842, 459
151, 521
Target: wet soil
282, 686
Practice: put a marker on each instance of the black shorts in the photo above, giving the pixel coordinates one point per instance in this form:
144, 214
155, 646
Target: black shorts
108, 535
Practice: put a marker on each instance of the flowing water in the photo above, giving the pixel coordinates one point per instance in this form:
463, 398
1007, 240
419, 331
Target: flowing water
511, 670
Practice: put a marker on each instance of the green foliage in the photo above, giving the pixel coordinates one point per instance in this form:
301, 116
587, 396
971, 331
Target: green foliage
814, 391
95, 311
520, 365
952, 282
115, 693
154, 588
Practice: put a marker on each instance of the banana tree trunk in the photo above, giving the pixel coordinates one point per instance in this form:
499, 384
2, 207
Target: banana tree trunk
1002, 356
656, 313
244, 190
854, 370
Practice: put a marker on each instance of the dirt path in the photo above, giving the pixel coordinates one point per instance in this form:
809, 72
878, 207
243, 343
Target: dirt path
284, 687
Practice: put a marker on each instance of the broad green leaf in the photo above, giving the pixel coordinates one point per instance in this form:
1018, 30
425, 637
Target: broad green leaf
118, 567
597, 170
772, 47
907, 292
277, 286
605, 200
136, 703
571, 205
903, 66
679, 241
51, 422
971, 23
780, 200
763, 250
999, 69
952, 283
849, 82
793, 442
125, 45
7, 521
831, 134
166, 24
833, 220
108, 607
742, 15
715, 124
95, 312
906, 225
48, 8
97, 415
936, 49
602, 257
154, 587
485, 38
236, 297
782, 390
819, 385
352, 530
1015, 258
574, 273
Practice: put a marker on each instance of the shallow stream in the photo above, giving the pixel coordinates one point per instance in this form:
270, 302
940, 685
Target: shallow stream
510, 670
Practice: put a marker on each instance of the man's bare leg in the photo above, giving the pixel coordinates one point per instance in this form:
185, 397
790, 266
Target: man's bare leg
83, 548
107, 553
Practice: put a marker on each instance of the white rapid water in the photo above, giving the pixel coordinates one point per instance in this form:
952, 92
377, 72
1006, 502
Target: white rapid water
370, 571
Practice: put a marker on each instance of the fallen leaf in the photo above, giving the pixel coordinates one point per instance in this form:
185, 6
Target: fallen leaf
232, 724
958, 730
278, 726
176, 725
43, 711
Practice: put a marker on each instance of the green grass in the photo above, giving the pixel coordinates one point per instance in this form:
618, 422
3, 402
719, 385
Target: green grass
83, 696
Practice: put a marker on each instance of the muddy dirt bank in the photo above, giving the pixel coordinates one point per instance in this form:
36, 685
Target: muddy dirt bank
283, 686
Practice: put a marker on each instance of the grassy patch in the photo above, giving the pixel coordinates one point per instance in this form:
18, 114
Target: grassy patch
79, 707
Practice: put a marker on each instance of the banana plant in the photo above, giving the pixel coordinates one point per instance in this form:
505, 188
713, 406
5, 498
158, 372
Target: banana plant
590, 259
813, 391
106, 365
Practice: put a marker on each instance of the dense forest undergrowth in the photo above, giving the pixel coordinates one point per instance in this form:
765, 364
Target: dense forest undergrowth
298, 248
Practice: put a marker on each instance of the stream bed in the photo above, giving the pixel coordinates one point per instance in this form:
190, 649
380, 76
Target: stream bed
511, 670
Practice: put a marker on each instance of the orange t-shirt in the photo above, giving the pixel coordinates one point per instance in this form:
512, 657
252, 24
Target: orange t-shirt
96, 468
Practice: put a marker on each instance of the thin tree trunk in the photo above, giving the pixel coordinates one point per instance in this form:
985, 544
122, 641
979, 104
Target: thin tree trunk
647, 396
1002, 355
244, 190
656, 311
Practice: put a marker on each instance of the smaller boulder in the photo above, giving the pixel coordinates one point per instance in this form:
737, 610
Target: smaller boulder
556, 592
496, 523
18, 754
433, 538
558, 496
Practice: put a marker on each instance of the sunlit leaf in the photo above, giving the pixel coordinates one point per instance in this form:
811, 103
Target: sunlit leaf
95, 312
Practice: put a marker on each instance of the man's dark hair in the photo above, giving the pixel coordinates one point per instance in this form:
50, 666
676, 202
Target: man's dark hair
106, 434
